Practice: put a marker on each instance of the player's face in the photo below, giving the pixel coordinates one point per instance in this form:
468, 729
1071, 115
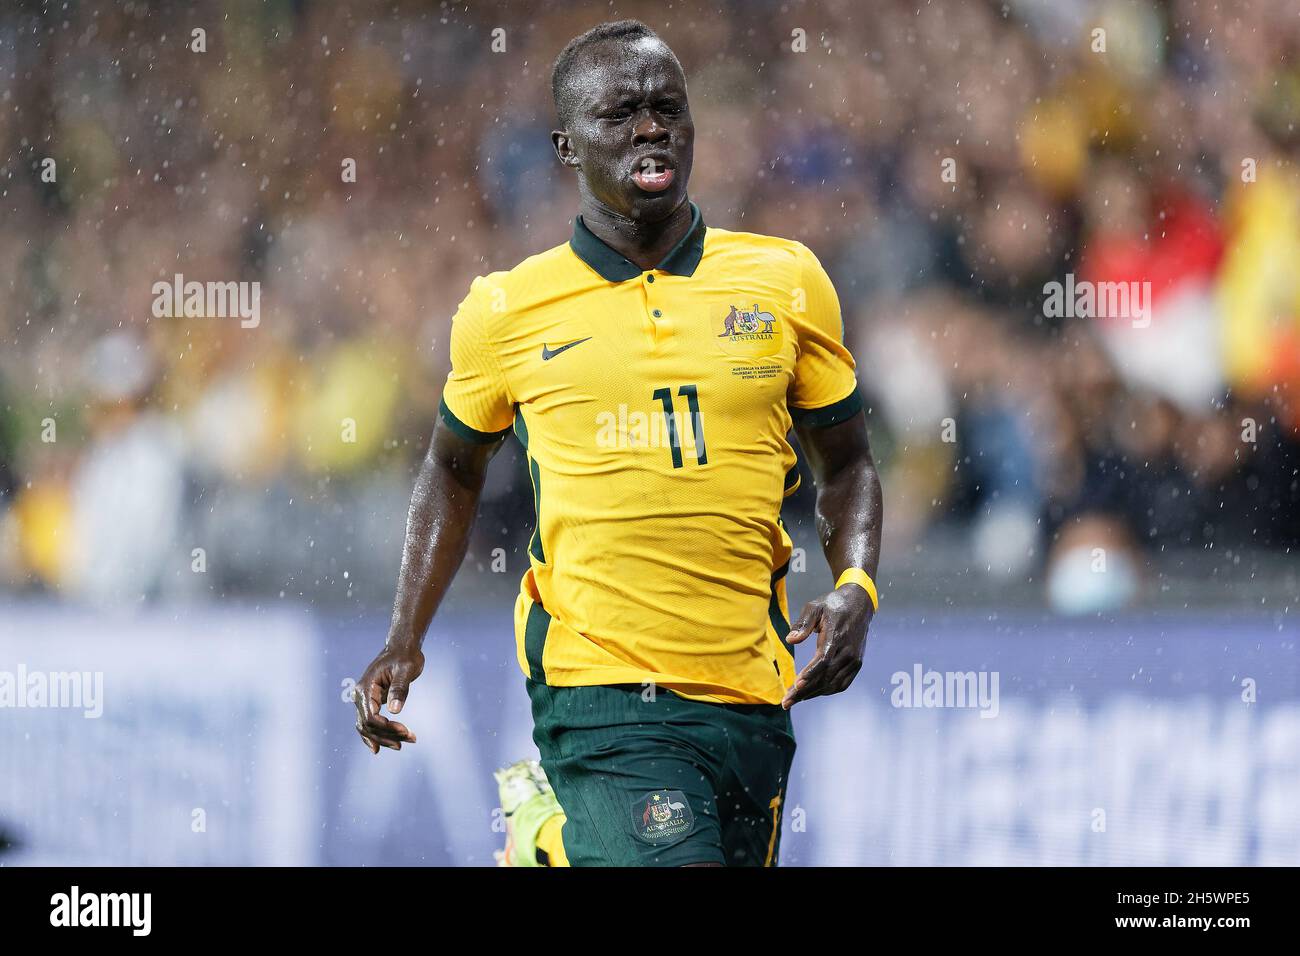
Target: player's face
631, 135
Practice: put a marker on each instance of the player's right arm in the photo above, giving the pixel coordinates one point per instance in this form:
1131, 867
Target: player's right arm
474, 418
443, 507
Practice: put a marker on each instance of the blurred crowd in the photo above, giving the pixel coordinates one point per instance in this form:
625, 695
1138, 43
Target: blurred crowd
945, 160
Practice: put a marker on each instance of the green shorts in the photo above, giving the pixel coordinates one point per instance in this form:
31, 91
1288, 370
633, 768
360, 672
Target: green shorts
664, 781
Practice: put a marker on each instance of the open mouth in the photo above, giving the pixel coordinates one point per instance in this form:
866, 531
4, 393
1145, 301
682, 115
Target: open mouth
653, 174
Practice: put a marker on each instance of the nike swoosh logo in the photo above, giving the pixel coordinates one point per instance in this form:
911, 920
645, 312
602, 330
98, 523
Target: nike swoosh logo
548, 354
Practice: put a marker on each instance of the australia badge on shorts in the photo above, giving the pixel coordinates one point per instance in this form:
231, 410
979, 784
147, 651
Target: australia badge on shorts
662, 816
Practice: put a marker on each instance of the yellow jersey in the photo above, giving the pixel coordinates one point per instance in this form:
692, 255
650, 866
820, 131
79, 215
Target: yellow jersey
654, 407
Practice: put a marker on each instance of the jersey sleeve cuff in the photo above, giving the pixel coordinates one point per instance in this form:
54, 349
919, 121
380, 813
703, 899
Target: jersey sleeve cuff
465, 431
791, 481
828, 415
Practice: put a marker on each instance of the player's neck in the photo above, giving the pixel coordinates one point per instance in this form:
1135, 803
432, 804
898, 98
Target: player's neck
645, 244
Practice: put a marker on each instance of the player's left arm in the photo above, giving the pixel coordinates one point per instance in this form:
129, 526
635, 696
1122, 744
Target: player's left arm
826, 410
849, 512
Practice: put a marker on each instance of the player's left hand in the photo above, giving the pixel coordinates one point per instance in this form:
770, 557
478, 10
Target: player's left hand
840, 620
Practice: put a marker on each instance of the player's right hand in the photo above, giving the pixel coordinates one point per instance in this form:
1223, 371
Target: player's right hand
387, 679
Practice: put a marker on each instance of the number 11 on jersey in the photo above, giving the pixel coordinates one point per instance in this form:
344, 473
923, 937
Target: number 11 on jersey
665, 396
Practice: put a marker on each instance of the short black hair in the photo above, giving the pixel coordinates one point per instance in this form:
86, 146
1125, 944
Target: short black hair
564, 63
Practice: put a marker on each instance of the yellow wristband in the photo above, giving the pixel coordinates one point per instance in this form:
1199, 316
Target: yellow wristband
863, 580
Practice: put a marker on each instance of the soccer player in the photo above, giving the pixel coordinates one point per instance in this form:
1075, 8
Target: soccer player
652, 368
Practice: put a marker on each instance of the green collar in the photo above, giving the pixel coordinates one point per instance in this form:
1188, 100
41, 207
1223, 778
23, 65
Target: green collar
681, 260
